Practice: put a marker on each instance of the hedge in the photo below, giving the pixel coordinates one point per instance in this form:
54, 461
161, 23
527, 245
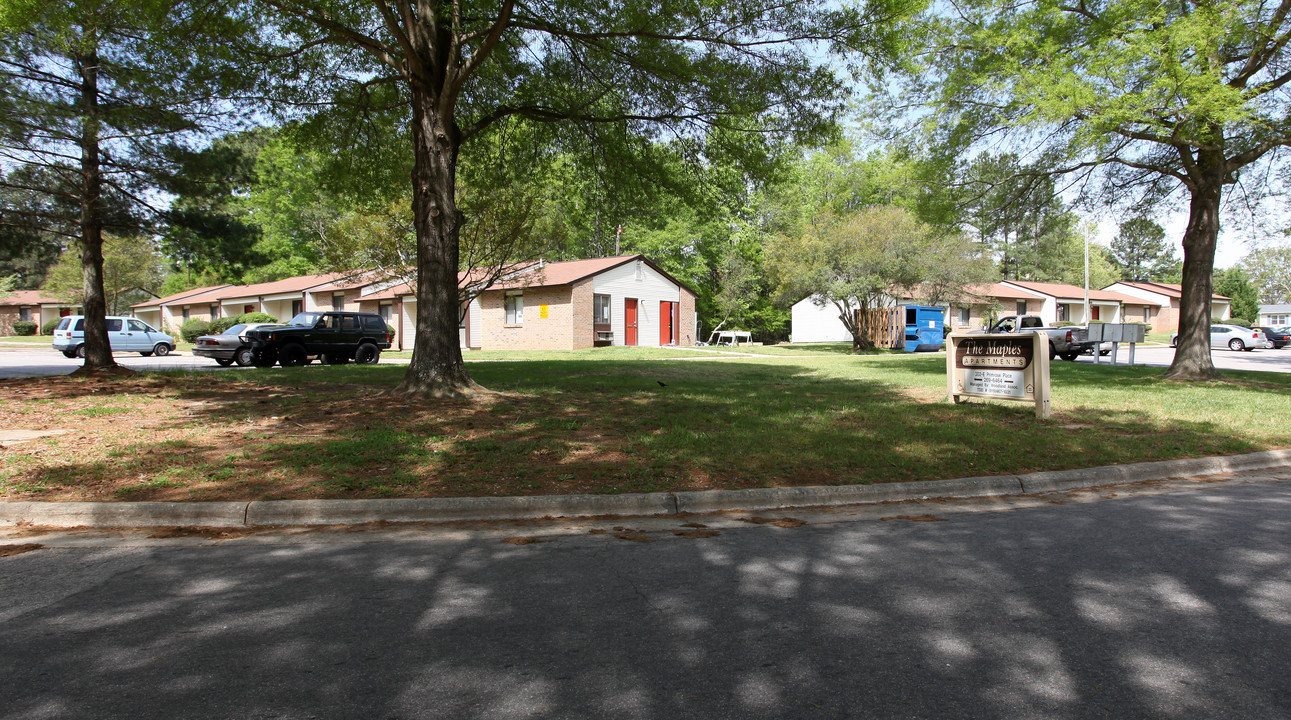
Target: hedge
25, 327
49, 327
191, 329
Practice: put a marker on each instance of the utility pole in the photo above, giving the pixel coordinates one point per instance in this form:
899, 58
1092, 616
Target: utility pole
1087, 284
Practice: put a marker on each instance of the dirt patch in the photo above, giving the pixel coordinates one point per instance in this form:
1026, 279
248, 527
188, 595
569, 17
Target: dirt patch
209, 533
696, 534
784, 522
915, 518
633, 536
8, 550
524, 540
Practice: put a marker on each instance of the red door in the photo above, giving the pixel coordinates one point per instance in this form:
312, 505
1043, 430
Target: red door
630, 321
667, 325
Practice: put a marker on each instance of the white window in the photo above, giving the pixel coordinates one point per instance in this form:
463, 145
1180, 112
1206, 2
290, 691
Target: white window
24, 314
601, 309
338, 302
384, 310
1022, 307
186, 313
515, 308
964, 316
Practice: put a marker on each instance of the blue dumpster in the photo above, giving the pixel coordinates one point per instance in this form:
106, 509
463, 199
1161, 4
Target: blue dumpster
923, 328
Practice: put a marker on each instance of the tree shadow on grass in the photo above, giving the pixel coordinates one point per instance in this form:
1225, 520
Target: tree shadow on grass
1066, 612
562, 427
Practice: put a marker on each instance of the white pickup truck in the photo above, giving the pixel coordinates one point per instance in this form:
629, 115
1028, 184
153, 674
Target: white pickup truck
1065, 342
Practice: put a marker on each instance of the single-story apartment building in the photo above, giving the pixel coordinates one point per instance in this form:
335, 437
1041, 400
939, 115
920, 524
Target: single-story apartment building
622, 300
1277, 316
1053, 302
1159, 303
32, 306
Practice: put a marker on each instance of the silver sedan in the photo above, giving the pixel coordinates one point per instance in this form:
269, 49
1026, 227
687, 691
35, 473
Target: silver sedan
228, 347
1233, 337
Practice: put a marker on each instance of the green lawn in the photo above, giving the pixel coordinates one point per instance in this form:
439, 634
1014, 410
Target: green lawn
621, 420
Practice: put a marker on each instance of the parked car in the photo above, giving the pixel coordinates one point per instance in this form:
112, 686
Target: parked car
125, 334
334, 337
1279, 338
1233, 337
230, 346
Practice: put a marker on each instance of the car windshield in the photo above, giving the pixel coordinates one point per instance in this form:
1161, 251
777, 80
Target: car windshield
305, 320
236, 329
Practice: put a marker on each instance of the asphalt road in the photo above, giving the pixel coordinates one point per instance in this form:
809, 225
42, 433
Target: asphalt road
1173, 605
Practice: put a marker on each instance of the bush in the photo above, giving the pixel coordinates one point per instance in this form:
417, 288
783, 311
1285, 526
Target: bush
191, 329
1244, 322
25, 327
219, 325
48, 328
255, 317
389, 330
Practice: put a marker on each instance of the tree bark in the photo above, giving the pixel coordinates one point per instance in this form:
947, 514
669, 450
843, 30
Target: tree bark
1192, 359
98, 350
437, 369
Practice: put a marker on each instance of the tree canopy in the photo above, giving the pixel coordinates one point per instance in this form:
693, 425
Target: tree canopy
1146, 97
610, 76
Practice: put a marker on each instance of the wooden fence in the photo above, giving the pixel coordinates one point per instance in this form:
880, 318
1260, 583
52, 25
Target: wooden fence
885, 327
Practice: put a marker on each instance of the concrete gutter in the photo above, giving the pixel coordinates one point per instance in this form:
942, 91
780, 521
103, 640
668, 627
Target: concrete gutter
271, 513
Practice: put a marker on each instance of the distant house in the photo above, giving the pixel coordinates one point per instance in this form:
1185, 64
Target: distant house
1066, 303
623, 300
32, 306
1278, 316
812, 322
1160, 303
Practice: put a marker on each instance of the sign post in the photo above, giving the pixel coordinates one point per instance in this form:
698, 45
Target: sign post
1007, 366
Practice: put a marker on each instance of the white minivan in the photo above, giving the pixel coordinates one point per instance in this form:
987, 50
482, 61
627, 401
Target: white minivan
125, 334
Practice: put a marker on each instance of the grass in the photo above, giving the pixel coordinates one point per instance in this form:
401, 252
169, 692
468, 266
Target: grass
610, 421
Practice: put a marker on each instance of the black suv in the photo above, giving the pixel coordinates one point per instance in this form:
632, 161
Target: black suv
335, 337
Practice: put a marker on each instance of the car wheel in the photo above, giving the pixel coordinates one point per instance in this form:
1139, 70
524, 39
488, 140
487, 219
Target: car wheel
1053, 352
161, 349
367, 354
224, 362
293, 355
1235, 344
80, 351
264, 358
1174, 342
1069, 356
243, 357
69, 355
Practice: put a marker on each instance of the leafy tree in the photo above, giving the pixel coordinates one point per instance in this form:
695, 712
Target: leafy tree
1244, 299
90, 90
1148, 97
871, 259
1017, 216
1270, 271
131, 274
1141, 253
614, 75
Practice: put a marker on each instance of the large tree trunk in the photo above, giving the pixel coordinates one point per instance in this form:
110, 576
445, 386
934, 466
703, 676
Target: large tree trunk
1192, 359
98, 351
437, 369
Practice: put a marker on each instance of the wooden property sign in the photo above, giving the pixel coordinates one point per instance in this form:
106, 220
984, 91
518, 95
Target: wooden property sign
1008, 366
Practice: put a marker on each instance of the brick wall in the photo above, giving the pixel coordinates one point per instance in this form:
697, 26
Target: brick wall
686, 318
555, 332
8, 316
581, 307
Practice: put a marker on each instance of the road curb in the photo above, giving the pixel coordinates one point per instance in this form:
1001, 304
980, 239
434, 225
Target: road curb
270, 513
